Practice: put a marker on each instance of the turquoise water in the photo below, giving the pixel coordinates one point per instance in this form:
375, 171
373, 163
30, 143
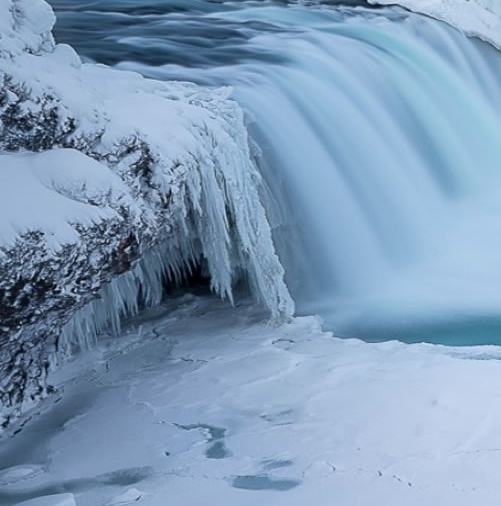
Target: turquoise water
377, 134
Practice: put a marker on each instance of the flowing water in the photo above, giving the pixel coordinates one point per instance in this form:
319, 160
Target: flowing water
379, 138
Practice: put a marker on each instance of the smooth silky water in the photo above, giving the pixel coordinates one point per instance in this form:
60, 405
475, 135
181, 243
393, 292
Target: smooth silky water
377, 131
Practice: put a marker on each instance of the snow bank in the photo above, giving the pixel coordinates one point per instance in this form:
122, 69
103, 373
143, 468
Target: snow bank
476, 18
110, 177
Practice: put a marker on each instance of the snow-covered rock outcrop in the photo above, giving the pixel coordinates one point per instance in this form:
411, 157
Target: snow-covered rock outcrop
475, 18
25, 25
110, 185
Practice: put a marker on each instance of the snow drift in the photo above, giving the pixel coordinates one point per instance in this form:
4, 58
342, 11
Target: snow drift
111, 185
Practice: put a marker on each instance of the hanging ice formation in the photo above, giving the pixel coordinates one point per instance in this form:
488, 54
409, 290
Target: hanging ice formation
222, 223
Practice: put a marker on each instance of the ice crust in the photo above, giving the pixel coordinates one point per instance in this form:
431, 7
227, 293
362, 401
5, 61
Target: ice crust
298, 417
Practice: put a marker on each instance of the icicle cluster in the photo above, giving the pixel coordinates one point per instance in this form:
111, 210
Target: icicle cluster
221, 222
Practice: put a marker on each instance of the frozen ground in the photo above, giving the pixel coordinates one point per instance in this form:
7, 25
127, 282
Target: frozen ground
210, 405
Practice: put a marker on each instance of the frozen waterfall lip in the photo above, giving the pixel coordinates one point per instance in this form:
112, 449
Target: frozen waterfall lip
475, 18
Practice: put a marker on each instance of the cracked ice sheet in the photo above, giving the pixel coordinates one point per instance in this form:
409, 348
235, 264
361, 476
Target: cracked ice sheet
211, 405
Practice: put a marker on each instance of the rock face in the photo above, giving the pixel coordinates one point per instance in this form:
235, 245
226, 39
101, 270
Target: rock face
111, 184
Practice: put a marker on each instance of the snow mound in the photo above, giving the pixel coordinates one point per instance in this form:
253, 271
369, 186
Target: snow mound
475, 18
25, 25
57, 183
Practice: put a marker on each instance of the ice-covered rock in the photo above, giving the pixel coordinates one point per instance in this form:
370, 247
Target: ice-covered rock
111, 185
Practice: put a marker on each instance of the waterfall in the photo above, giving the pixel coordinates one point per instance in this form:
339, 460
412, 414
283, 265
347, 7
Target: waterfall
379, 137
384, 140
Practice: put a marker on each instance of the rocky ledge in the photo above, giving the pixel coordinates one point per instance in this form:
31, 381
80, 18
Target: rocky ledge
112, 185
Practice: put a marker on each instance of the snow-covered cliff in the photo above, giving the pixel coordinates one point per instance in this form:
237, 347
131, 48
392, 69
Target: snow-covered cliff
475, 18
111, 184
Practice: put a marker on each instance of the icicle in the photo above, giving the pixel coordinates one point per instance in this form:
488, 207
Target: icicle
220, 223
123, 296
225, 190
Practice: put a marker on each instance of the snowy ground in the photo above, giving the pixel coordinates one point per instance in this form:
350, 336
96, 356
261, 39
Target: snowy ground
221, 408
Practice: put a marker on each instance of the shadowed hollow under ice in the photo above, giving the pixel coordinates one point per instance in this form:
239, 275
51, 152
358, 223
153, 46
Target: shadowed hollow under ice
379, 138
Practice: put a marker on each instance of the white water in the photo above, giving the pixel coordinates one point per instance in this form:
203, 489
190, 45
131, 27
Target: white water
380, 141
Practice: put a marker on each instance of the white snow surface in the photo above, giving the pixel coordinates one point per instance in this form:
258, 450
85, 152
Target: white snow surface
198, 403
51, 183
475, 18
